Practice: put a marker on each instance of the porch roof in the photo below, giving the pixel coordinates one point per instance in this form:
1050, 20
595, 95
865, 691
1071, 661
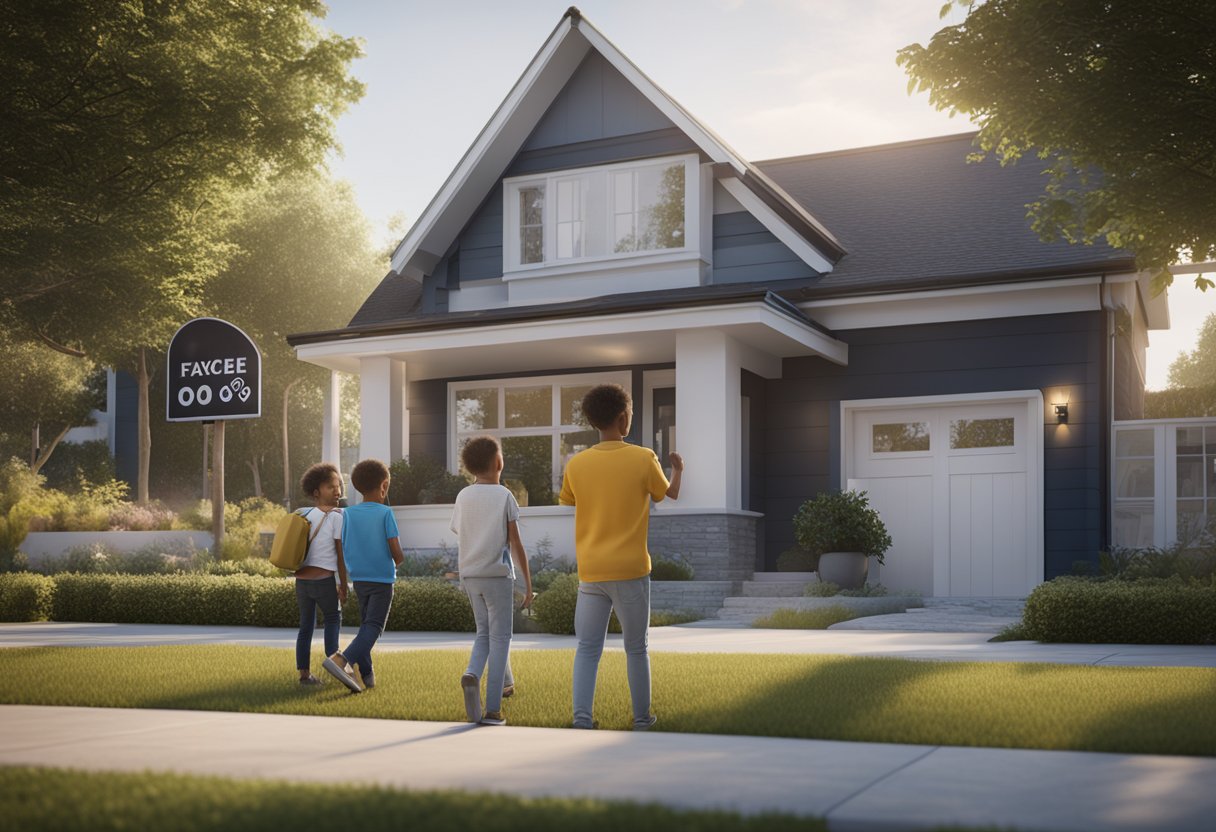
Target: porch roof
624, 330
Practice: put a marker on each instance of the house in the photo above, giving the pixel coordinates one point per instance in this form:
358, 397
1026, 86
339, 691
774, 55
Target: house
880, 318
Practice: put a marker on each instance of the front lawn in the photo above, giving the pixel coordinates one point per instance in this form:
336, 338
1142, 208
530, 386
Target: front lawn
58, 799
1047, 706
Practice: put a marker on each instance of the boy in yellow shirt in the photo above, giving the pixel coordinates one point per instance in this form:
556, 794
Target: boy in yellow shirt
610, 486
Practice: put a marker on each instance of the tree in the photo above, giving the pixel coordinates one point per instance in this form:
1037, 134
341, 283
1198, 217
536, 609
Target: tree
126, 131
1197, 368
44, 391
1120, 97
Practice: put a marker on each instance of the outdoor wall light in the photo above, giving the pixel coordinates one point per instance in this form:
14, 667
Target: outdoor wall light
1061, 413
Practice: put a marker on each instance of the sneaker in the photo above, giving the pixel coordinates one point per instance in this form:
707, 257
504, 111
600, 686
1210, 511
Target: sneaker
595, 723
507, 691
471, 687
310, 680
646, 724
339, 673
493, 718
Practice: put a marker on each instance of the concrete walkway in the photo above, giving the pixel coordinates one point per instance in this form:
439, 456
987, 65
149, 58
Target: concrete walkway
700, 637
856, 786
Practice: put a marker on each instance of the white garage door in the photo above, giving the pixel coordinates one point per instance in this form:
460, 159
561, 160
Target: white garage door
959, 486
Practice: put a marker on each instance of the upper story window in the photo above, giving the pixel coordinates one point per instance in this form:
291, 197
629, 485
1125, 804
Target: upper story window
602, 213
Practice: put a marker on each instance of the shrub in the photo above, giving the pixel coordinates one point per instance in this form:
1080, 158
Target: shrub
820, 619
75, 464
430, 604
1180, 560
260, 567
554, 608
670, 568
821, 589
866, 591
841, 521
26, 597
244, 524
421, 479
796, 559
1144, 611
435, 565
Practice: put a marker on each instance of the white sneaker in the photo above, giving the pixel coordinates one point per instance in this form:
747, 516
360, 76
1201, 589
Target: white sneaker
339, 673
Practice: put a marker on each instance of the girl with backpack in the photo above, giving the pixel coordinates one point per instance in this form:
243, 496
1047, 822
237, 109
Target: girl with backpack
315, 585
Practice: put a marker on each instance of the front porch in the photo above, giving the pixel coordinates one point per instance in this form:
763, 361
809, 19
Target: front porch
518, 374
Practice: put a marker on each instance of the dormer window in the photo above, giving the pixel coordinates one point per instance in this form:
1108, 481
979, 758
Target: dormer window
609, 213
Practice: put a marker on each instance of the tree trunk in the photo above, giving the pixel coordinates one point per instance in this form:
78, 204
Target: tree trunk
217, 489
206, 461
145, 430
286, 448
253, 462
45, 453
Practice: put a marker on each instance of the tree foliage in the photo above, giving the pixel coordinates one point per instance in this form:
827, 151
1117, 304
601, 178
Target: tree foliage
1197, 368
1120, 97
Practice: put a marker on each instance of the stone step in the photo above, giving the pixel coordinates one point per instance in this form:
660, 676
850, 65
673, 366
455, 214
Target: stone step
774, 589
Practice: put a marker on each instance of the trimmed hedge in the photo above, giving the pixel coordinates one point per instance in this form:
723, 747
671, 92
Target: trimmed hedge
26, 597
229, 600
1146, 611
554, 608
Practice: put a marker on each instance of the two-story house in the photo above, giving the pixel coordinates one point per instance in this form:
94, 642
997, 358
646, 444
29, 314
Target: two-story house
880, 318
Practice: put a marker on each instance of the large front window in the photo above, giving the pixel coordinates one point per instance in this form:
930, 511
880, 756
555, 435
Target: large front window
538, 421
606, 212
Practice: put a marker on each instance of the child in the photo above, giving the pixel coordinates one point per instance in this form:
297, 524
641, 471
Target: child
485, 522
315, 578
610, 486
369, 541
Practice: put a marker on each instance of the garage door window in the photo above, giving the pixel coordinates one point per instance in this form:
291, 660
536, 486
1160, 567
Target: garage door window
900, 437
966, 434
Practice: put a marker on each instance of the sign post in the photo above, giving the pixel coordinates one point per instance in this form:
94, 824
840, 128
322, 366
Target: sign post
214, 374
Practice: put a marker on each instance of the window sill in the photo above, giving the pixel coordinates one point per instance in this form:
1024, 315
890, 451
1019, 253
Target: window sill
605, 265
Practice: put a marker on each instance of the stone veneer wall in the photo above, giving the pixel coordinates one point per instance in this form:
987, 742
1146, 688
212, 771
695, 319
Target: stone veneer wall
720, 546
702, 597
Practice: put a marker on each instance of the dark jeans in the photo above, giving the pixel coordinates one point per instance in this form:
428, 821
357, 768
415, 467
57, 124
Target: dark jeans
374, 601
310, 594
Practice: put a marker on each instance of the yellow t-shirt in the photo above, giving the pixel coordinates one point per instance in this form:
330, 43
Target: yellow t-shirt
610, 486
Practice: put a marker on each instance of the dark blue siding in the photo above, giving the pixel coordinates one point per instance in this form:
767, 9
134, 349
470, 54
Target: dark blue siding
746, 251
596, 103
1043, 352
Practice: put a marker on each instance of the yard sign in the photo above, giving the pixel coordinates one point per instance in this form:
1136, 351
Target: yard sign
215, 372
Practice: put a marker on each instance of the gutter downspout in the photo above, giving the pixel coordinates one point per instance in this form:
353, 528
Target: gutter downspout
1107, 433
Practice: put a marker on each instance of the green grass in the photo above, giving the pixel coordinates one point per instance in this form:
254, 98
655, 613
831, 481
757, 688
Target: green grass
59, 799
1011, 705
819, 619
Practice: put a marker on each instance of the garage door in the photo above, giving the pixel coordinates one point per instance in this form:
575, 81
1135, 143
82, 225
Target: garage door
959, 487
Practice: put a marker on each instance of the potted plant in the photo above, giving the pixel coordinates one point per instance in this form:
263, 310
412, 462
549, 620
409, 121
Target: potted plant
844, 530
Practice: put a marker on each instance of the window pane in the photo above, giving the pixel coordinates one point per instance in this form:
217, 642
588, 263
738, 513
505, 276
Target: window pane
529, 407
1134, 478
981, 433
572, 443
1210, 467
661, 207
531, 225
529, 460
476, 409
1190, 476
532, 205
1134, 525
1134, 443
572, 405
902, 436
531, 245
1190, 440
1190, 519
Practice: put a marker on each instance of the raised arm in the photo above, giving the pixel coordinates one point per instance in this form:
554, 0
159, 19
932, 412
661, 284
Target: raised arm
677, 474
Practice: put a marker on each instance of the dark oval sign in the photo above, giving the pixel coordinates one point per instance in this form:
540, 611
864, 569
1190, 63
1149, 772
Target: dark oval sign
215, 372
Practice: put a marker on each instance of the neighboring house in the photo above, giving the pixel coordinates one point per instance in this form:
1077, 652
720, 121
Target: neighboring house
880, 318
117, 425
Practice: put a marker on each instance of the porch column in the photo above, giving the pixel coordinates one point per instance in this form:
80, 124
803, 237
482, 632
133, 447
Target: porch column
708, 427
331, 418
382, 409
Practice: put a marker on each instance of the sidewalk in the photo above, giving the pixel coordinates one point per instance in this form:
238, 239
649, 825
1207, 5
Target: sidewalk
700, 637
856, 786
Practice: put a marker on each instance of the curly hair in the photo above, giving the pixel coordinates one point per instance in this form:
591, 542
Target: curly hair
604, 403
478, 454
316, 476
367, 475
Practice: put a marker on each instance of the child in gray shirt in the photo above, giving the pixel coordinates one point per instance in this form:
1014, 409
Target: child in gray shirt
485, 523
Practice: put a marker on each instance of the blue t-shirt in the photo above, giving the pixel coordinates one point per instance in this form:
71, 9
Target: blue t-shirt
366, 531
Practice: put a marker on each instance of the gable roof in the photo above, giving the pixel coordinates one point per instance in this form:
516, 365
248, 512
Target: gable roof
511, 124
914, 214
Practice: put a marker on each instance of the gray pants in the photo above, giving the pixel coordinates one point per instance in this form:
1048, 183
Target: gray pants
493, 602
596, 600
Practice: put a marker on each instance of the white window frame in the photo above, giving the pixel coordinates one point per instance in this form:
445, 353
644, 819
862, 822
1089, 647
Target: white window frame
512, 268
555, 429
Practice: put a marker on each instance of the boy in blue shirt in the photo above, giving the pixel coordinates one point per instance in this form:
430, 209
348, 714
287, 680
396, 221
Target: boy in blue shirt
372, 552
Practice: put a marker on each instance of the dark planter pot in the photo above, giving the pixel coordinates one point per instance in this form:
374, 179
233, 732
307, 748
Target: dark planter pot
847, 570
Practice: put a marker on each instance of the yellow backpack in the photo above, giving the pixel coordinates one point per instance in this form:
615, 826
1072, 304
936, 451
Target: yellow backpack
291, 540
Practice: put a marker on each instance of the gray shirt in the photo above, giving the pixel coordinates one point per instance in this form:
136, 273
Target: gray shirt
480, 522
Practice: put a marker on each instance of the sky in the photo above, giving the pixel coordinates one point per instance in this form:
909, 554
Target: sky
771, 77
